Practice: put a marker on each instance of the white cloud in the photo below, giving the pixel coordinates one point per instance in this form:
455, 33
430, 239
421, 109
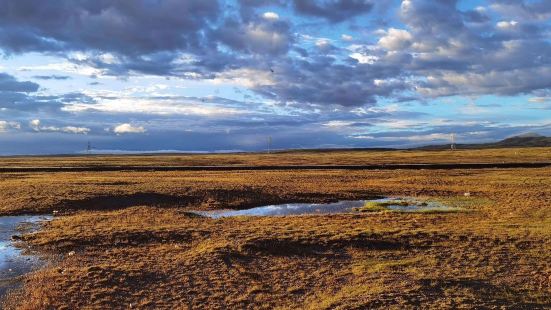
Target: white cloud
76, 130
3, 126
262, 39
249, 78
364, 59
323, 43
364, 137
346, 37
338, 124
271, 16
7, 125
108, 58
128, 128
429, 137
404, 124
539, 99
395, 39
65, 67
35, 125
480, 9
506, 25
171, 105
364, 54
406, 5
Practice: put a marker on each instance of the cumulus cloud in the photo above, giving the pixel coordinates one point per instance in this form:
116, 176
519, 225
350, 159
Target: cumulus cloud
133, 27
435, 45
395, 39
453, 57
128, 128
507, 25
293, 67
37, 126
346, 37
142, 34
323, 82
262, 37
527, 10
271, 16
76, 130
9, 125
324, 44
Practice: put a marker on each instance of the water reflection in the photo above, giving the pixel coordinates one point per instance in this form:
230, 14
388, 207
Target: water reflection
344, 206
12, 261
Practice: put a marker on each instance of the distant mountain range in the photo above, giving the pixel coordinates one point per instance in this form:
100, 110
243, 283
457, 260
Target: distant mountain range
525, 140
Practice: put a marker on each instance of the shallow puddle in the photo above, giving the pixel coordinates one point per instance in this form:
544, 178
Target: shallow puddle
344, 206
13, 263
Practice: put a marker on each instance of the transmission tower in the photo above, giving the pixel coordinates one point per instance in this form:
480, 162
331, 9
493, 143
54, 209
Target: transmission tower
452, 145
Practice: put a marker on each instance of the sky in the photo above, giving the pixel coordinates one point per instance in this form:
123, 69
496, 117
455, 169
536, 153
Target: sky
222, 76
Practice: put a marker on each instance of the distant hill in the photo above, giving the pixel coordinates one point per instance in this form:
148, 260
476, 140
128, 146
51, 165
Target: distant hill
525, 140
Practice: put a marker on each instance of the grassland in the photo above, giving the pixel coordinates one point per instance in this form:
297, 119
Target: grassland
125, 239
538, 154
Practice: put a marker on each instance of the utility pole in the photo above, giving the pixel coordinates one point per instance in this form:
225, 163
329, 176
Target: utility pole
452, 146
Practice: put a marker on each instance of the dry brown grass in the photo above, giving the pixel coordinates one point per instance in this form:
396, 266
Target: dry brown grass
135, 244
542, 154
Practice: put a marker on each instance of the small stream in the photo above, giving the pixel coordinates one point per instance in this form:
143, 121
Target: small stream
343, 206
13, 262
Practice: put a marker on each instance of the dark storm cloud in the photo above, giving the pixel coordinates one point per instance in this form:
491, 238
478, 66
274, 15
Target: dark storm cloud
16, 95
439, 50
9, 83
323, 80
145, 36
19, 96
505, 58
126, 27
473, 16
461, 53
17, 103
333, 10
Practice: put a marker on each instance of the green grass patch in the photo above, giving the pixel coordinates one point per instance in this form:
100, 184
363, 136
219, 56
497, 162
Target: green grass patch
416, 207
373, 206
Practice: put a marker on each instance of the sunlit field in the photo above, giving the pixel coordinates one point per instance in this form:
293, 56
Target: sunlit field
270, 154
129, 239
348, 157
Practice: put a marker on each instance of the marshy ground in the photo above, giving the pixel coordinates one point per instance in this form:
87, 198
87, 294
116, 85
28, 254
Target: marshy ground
126, 239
